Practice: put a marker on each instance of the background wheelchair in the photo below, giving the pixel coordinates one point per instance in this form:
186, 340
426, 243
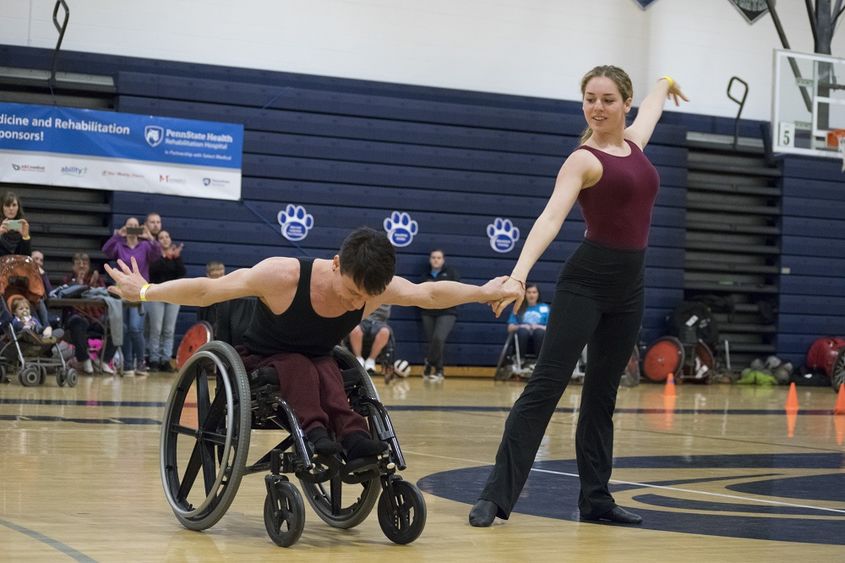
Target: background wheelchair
204, 453
513, 363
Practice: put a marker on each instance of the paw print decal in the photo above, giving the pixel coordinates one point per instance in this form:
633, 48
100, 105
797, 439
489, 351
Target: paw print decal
400, 228
295, 222
503, 235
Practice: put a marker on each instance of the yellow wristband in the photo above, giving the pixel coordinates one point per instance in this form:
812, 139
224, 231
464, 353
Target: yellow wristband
669, 80
143, 292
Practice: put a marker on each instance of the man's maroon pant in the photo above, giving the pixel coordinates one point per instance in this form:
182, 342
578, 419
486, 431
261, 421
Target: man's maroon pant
313, 387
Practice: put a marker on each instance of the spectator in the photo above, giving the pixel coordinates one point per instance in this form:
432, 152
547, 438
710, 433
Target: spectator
215, 269
375, 328
529, 323
162, 315
437, 323
14, 229
82, 273
38, 258
133, 241
153, 224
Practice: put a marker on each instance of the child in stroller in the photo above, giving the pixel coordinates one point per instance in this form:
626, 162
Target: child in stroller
27, 344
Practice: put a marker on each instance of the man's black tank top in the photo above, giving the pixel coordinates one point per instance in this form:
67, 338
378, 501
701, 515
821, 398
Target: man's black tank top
299, 329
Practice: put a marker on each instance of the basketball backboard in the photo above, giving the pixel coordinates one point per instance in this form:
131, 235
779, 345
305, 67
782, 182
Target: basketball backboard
808, 104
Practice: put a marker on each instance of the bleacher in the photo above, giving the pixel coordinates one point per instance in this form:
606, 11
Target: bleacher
352, 151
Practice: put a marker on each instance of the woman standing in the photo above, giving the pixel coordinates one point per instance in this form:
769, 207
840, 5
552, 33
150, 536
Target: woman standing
437, 323
14, 229
163, 315
133, 241
598, 298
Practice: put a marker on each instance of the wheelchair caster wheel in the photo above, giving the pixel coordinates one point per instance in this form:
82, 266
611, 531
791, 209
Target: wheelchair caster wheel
284, 515
30, 376
61, 378
401, 512
4, 378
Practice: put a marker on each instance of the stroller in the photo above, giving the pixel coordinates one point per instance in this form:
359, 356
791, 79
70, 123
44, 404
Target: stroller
31, 355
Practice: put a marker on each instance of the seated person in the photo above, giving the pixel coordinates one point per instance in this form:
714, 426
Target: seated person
529, 323
304, 308
82, 274
38, 258
24, 321
375, 328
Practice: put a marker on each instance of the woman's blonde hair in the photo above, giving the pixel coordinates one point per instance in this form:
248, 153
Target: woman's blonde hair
619, 77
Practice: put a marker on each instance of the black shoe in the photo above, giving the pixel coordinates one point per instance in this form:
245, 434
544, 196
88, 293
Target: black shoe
154, 366
483, 513
166, 367
323, 444
616, 514
360, 444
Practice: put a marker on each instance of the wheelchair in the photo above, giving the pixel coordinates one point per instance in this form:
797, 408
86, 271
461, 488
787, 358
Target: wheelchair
204, 453
514, 364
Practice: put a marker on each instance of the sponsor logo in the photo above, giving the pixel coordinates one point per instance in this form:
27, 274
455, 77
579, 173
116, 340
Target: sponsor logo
28, 168
503, 235
74, 170
122, 174
295, 222
168, 179
215, 182
400, 228
154, 135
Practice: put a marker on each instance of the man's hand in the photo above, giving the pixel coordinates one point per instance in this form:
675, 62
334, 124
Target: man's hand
128, 282
512, 292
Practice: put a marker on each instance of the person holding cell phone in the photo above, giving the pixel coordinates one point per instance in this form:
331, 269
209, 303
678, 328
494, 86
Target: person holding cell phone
133, 241
14, 229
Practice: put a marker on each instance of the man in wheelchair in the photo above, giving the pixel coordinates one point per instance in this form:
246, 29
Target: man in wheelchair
305, 307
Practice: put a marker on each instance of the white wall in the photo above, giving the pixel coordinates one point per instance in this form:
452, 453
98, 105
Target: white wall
527, 47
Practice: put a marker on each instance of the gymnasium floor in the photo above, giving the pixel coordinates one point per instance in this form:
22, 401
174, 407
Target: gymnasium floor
716, 476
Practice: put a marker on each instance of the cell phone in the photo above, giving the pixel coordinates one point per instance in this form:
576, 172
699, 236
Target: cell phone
134, 230
13, 224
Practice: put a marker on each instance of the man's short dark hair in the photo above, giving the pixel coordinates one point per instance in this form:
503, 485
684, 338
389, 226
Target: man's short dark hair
369, 259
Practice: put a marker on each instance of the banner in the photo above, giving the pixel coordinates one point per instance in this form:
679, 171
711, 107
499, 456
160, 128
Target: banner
119, 151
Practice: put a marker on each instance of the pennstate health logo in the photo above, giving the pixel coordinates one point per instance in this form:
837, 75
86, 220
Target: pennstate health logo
400, 228
503, 235
154, 135
295, 222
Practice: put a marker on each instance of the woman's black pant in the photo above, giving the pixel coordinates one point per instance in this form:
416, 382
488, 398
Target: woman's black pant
437, 329
598, 301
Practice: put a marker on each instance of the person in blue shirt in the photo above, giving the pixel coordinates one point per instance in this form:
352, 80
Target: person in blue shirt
530, 322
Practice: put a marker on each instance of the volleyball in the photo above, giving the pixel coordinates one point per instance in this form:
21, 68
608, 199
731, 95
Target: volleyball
402, 368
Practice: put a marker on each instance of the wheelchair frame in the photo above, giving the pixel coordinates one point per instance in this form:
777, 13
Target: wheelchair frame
242, 402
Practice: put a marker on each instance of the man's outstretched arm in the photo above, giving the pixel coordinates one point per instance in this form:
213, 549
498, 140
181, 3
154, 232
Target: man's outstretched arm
440, 295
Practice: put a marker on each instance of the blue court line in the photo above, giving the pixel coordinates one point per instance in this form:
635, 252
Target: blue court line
442, 408
55, 544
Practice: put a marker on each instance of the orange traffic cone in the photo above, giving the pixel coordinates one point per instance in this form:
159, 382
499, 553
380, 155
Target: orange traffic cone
839, 426
791, 410
840, 401
792, 398
669, 388
669, 410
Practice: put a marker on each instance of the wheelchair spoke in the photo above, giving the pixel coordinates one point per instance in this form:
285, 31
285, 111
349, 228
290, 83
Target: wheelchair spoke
203, 398
209, 465
190, 473
179, 429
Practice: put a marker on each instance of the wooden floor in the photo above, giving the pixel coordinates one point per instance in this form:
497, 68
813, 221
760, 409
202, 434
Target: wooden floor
79, 479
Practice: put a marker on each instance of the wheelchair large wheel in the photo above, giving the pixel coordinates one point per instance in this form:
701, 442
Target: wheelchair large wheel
196, 337
284, 518
837, 377
401, 512
664, 356
205, 431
